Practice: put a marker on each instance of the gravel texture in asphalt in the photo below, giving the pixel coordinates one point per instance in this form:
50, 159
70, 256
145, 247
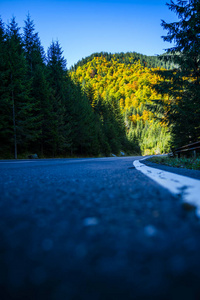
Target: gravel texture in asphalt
93, 229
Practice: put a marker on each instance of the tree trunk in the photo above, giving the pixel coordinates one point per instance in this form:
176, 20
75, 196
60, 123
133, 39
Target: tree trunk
14, 123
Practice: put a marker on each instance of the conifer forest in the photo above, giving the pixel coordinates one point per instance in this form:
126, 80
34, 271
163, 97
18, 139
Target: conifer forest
104, 104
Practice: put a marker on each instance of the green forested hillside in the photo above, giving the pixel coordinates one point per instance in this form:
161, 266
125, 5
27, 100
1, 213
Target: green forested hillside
128, 84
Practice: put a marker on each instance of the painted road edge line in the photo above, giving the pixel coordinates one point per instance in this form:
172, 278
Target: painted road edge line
188, 188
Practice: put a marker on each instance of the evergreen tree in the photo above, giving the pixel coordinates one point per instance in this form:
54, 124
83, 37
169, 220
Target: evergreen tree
17, 88
44, 112
41, 106
83, 122
6, 130
57, 72
111, 125
33, 50
182, 111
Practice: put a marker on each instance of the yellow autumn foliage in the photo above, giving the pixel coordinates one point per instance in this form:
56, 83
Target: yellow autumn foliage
130, 84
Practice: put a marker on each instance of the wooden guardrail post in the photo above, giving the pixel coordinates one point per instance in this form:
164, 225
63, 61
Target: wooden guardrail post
194, 154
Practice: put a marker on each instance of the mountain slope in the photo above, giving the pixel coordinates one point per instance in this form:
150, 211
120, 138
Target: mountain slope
127, 58
128, 81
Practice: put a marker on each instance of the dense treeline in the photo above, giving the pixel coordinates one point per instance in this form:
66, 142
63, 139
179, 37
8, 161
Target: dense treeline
129, 85
128, 58
43, 110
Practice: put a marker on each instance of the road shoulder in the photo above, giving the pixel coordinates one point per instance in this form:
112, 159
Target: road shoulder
180, 171
186, 188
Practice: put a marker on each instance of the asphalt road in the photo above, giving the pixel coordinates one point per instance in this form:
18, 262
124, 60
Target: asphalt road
93, 229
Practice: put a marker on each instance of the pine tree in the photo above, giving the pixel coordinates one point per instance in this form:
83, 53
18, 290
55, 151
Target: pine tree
113, 124
182, 111
17, 88
6, 129
33, 50
57, 78
44, 112
41, 107
83, 122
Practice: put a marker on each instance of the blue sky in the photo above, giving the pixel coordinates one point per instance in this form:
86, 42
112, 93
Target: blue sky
83, 26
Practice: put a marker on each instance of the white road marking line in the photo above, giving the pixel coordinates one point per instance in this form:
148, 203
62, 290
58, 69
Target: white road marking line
187, 187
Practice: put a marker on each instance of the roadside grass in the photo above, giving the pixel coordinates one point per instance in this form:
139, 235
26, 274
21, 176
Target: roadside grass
188, 163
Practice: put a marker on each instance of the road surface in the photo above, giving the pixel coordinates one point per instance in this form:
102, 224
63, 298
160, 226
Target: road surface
93, 229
